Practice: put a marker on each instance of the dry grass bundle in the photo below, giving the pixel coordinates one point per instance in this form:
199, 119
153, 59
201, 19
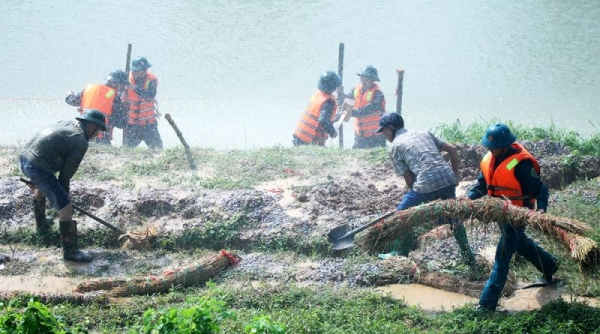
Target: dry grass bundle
195, 274
488, 209
139, 239
96, 297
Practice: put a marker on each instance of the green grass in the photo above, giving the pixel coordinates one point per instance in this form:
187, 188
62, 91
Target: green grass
472, 134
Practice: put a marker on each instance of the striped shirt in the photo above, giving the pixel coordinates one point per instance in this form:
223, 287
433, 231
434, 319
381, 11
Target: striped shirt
419, 153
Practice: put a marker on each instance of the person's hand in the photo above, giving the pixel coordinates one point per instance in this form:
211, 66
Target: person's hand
334, 133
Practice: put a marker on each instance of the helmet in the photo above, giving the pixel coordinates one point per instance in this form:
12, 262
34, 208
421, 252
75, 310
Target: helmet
369, 72
140, 64
498, 136
329, 81
391, 119
117, 77
93, 116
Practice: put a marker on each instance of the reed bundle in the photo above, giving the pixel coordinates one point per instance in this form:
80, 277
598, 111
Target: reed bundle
569, 232
96, 297
196, 274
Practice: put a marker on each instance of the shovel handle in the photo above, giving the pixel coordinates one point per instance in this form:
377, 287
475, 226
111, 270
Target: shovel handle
371, 223
112, 227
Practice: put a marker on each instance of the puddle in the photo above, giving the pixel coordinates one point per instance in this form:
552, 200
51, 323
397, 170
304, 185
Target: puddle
427, 298
38, 284
431, 299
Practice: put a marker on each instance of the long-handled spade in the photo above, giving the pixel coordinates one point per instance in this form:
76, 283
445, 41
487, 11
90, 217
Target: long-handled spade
342, 237
137, 240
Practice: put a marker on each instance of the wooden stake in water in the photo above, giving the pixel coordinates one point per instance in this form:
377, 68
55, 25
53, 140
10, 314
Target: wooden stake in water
340, 97
399, 91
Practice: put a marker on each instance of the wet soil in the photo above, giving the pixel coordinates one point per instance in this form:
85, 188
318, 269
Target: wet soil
293, 211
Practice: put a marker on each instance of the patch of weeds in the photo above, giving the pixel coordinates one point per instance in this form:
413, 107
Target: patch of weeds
214, 235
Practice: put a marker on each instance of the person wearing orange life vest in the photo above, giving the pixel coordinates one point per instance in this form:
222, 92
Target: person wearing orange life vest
369, 106
142, 124
107, 99
316, 123
509, 171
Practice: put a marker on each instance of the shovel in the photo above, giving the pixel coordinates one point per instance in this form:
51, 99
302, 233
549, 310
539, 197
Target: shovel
135, 239
342, 237
76, 207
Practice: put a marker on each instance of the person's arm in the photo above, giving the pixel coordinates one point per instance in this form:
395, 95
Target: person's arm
73, 99
454, 159
480, 189
76, 154
148, 93
531, 184
325, 118
409, 178
376, 104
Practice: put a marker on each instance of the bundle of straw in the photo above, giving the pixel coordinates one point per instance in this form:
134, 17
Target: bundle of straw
195, 274
568, 232
96, 297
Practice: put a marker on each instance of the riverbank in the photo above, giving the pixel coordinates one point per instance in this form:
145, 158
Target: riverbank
274, 208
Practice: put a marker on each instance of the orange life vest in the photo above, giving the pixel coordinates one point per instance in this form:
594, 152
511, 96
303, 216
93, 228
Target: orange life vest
141, 110
502, 181
100, 97
308, 129
366, 126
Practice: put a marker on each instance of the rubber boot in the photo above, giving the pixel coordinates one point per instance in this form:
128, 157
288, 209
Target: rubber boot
466, 253
42, 223
68, 237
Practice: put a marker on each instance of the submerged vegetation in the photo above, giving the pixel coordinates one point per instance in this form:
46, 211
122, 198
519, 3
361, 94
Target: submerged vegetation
223, 307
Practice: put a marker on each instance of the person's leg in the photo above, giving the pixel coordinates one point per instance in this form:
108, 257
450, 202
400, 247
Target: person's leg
131, 136
151, 136
47, 183
407, 242
505, 249
458, 229
543, 261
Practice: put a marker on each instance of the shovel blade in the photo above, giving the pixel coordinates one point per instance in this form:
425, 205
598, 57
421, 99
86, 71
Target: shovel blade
338, 233
340, 238
343, 243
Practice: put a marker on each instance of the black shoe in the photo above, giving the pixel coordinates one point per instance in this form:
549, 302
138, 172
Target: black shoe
77, 256
484, 310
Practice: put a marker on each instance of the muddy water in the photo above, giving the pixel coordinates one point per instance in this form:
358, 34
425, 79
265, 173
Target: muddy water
431, 299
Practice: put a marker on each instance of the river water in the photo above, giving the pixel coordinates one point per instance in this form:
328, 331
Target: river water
238, 74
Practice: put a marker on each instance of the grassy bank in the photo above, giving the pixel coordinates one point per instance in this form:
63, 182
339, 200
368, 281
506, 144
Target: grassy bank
236, 305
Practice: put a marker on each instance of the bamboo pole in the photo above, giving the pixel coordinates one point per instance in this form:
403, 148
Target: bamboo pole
399, 91
340, 97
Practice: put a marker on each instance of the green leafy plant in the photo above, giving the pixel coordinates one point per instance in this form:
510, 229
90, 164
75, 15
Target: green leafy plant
263, 325
203, 318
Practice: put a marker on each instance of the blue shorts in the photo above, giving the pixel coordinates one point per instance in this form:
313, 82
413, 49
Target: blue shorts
46, 182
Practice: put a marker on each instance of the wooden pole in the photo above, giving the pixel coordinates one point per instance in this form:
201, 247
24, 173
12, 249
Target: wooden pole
399, 91
340, 97
127, 62
183, 142
128, 58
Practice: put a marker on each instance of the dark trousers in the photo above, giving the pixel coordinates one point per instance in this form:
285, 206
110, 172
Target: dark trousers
513, 240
